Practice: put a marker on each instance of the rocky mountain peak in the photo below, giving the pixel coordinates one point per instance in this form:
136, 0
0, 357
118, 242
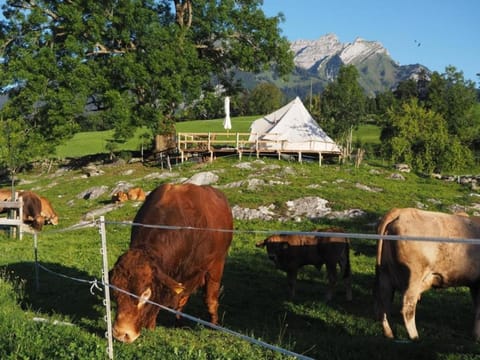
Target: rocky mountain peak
312, 53
322, 59
361, 49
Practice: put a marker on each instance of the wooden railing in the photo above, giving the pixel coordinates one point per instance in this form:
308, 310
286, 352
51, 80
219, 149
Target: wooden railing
210, 142
16, 221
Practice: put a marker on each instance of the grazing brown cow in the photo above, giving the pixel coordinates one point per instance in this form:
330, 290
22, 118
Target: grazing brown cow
48, 213
119, 197
136, 194
413, 267
166, 265
291, 252
32, 210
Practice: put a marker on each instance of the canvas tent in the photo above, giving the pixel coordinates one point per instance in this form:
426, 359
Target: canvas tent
291, 129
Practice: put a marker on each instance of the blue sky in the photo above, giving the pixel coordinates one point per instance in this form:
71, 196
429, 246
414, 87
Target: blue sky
448, 30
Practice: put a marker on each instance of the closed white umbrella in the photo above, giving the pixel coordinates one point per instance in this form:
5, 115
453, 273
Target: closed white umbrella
227, 123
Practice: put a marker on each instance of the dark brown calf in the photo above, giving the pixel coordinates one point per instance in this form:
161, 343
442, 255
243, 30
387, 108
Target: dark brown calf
291, 252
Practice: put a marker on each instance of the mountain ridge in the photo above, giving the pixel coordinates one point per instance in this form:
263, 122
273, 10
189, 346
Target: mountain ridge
378, 71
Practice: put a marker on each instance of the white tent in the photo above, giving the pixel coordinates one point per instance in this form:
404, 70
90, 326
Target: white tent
291, 128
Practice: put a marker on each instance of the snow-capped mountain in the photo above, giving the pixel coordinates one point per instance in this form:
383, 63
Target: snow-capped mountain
310, 53
322, 58
319, 61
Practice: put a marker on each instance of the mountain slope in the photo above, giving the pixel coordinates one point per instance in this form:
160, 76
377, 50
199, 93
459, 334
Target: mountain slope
322, 58
318, 63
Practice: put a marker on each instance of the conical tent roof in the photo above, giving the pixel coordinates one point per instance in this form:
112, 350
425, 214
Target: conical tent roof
291, 128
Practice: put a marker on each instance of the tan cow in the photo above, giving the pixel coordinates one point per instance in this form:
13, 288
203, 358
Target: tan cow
136, 194
291, 252
412, 267
47, 212
119, 197
32, 210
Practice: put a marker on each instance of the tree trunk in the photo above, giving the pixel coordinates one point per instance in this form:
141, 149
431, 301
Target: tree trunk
183, 13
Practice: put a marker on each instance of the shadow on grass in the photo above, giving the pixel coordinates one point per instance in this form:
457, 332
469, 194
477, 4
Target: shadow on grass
59, 291
255, 303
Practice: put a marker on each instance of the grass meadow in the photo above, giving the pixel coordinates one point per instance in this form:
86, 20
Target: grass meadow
87, 143
61, 318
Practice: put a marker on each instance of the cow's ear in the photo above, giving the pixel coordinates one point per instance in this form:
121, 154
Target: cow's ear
170, 283
144, 297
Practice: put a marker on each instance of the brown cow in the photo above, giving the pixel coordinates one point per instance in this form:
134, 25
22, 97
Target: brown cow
119, 197
166, 266
136, 194
413, 267
48, 213
291, 252
32, 210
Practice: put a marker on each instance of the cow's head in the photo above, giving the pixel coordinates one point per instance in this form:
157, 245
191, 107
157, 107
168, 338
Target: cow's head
276, 248
50, 218
36, 222
119, 197
137, 273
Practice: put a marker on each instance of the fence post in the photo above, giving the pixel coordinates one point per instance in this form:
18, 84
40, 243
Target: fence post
35, 246
108, 317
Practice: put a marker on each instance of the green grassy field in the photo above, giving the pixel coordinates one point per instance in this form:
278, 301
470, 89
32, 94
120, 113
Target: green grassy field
87, 143
254, 300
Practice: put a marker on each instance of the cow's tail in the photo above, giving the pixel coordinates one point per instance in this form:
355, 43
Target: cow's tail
389, 217
380, 307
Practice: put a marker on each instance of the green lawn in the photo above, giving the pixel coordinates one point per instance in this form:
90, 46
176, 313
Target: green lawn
88, 143
367, 134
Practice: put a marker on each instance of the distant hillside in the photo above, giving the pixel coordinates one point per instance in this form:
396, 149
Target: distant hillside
318, 62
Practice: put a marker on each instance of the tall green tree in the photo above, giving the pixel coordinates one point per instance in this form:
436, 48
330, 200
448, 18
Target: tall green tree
19, 145
420, 137
265, 98
453, 97
127, 63
343, 104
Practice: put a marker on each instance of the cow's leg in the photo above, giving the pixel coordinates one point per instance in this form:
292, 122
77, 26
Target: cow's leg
383, 294
212, 290
410, 299
292, 280
475, 292
347, 275
408, 312
417, 284
332, 279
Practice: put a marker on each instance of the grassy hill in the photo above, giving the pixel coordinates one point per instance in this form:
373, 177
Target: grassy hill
34, 321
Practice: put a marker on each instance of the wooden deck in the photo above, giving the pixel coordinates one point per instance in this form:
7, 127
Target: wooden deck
211, 145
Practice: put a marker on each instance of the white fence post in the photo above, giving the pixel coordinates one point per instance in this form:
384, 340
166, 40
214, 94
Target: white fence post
35, 249
108, 317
